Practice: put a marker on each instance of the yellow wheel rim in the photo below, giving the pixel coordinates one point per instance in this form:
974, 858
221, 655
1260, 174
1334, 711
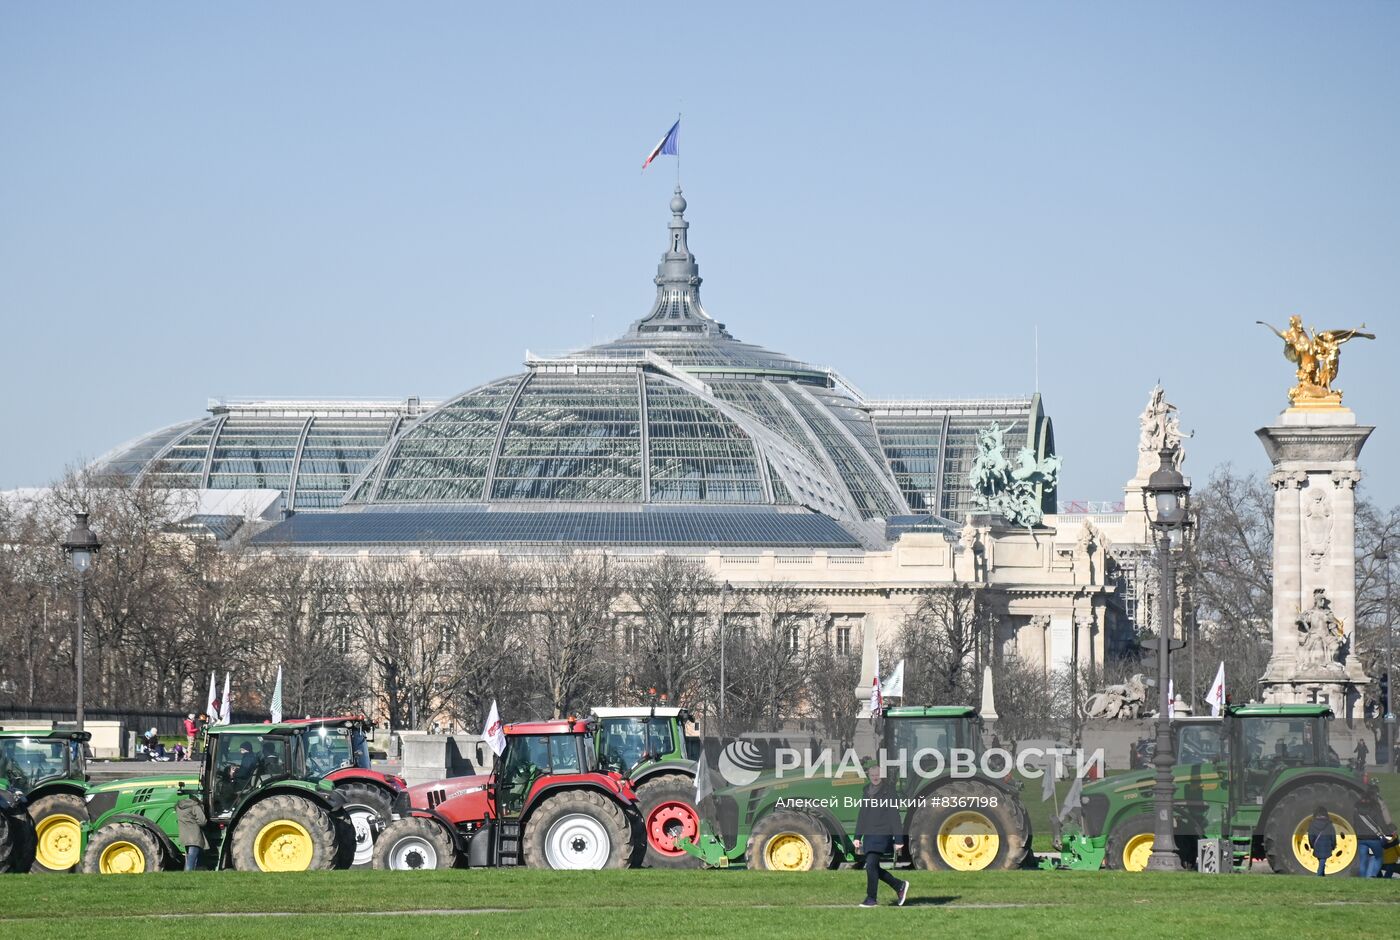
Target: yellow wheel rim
1137, 852
968, 841
788, 851
59, 839
283, 845
122, 858
1341, 856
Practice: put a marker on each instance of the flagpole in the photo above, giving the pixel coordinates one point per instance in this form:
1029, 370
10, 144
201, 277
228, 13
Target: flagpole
678, 151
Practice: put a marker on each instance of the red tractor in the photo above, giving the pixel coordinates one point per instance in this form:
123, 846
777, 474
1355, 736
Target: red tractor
337, 750
547, 804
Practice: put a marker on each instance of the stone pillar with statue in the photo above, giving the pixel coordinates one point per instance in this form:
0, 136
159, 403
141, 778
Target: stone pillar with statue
1314, 446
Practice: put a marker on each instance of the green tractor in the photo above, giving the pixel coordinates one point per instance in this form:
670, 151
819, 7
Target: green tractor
1253, 779
43, 778
649, 746
266, 811
791, 821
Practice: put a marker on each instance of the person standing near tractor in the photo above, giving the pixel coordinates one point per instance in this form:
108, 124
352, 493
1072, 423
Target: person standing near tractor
191, 730
189, 814
879, 830
1322, 836
1373, 831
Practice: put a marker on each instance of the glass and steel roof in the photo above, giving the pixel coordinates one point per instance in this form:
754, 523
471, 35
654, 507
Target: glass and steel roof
674, 418
929, 445
311, 450
674, 528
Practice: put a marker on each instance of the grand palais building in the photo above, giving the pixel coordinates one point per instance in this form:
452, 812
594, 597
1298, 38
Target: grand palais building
675, 437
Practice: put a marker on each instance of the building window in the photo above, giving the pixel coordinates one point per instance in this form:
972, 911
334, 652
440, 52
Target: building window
342, 635
794, 639
843, 640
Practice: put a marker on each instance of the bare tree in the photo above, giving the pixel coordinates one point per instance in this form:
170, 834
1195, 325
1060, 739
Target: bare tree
672, 596
484, 606
570, 626
767, 652
405, 643
833, 672
938, 641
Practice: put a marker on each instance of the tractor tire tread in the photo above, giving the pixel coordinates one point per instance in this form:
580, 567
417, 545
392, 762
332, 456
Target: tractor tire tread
317, 821
624, 829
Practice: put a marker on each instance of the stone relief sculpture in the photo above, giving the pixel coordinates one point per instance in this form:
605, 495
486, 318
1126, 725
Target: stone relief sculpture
1012, 491
1123, 702
1159, 429
1321, 638
1317, 356
1317, 519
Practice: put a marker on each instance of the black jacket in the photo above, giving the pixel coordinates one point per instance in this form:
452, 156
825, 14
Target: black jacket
1322, 836
878, 825
1368, 819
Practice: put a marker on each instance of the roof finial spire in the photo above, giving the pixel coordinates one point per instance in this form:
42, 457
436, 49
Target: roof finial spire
677, 308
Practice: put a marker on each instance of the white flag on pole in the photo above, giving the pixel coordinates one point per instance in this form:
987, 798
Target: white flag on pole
1072, 798
1216, 695
893, 687
224, 716
276, 708
1047, 781
494, 732
877, 701
1171, 700
211, 708
703, 786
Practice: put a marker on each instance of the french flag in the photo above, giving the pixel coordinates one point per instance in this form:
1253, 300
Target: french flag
668, 144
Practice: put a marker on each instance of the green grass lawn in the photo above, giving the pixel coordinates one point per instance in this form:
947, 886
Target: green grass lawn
720, 903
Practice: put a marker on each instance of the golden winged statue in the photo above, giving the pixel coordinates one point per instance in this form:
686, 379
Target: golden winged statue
1317, 356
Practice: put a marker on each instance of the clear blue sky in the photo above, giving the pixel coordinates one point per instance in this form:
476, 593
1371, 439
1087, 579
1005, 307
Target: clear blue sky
202, 200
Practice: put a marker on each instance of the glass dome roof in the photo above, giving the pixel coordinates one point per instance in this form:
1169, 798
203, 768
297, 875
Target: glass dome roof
675, 412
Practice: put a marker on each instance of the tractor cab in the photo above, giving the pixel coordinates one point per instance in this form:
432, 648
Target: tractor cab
628, 738
537, 749
242, 759
929, 729
1199, 740
29, 759
336, 743
1267, 741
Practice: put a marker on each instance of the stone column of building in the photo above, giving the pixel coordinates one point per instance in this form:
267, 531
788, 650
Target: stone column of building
1288, 571
1314, 451
1341, 574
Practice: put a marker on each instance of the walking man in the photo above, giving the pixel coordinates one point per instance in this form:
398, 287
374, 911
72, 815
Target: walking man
879, 830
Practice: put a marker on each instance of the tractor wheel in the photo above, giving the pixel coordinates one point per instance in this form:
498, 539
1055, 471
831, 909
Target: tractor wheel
667, 805
972, 826
787, 841
1286, 830
1129, 844
414, 844
368, 808
122, 849
579, 829
58, 832
285, 833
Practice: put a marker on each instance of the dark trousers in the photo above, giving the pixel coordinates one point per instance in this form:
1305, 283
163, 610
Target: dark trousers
874, 874
191, 857
1322, 853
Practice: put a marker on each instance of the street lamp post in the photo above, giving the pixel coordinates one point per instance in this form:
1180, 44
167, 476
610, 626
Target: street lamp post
1388, 719
81, 546
1168, 491
723, 598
